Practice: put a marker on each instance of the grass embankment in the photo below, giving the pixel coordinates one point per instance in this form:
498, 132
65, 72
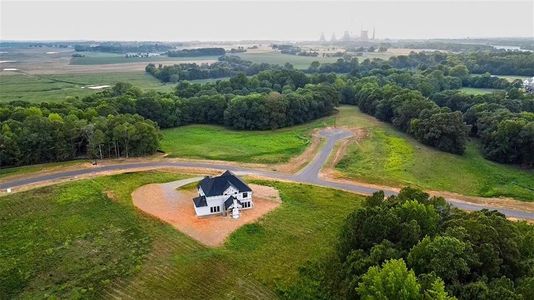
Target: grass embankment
389, 157
54, 88
71, 240
48, 167
219, 143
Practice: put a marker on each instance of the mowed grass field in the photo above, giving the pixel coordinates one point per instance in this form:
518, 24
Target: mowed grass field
219, 143
56, 87
389, 157
479, 91
86, 240
303, 62
298, 62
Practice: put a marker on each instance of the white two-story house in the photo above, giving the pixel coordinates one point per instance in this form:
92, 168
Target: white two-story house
221, 194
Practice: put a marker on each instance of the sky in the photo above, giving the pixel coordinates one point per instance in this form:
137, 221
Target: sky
261, 20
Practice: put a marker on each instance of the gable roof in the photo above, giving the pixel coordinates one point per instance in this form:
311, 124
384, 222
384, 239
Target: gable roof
215, 186
229, 202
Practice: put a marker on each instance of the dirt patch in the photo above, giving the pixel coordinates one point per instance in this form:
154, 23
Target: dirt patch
111, 195
521, 220
175, 207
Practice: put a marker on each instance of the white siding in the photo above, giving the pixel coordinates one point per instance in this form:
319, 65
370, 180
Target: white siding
202, 211
219, 201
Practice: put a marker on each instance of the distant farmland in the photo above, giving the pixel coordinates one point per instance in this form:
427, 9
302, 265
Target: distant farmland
55, 87
98, 58
299, 62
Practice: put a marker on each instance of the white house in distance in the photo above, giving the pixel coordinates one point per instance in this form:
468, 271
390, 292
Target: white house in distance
221, 195
529, 85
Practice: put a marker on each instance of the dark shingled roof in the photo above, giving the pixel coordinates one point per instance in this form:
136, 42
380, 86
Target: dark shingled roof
215, 186
200, 201
228, 202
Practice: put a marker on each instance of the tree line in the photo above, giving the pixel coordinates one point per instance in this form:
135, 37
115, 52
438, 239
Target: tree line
413, 246
124, 121
196, 52
38, 135
504, 123
411, 112
497, 62
123, 47
415, 101
226, 66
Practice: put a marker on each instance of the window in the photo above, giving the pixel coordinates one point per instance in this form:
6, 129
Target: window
246, 204
215, 209
245, 195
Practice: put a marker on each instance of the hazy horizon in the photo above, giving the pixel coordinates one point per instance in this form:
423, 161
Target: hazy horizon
267, 20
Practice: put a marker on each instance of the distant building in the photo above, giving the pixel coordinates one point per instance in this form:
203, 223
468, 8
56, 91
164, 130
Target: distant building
528, 84
373, 33
222, 195
322, 39
346, 36
333, 37
364, 36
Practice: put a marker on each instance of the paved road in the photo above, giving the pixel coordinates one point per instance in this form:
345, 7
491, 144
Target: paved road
308, 175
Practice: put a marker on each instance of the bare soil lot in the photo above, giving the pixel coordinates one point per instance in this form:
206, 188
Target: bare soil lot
175, 207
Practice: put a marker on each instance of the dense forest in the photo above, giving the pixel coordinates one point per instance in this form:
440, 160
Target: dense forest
494, 62
226, 66
469, 69
196, 52
124, 121
412, 246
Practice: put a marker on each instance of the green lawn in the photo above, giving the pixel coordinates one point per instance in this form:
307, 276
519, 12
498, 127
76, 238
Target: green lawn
390, 157
54, 88
219, 143
4, 172
479, 91
99, 58
299, 62
72, 241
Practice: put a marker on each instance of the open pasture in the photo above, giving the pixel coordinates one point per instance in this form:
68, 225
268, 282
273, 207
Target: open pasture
273, 57
478, 91
56, 87
99, 58
86, 240
389, 157
219, 143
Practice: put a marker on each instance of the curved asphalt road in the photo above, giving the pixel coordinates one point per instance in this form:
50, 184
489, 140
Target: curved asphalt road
308, 175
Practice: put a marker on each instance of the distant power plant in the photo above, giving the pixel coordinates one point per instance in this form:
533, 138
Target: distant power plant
333, 38
363, 36
347, 36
